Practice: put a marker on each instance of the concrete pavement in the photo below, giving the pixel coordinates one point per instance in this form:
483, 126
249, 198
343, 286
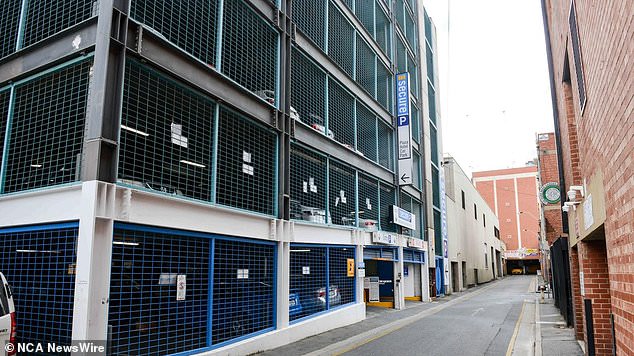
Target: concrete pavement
498, 318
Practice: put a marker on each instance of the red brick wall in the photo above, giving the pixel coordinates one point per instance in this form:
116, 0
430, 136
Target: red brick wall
549, 172
593, 264
577, 301
604, 132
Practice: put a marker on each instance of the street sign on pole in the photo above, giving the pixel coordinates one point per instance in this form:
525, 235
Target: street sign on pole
404, 129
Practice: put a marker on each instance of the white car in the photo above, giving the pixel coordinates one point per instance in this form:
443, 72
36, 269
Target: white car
318, 125
7, 317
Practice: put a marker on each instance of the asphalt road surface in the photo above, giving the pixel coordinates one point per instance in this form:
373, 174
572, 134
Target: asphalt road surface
481, 325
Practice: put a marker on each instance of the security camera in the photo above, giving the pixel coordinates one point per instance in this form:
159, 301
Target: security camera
572, 193
565, 208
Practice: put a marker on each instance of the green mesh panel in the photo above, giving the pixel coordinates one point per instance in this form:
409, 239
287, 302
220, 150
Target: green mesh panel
45, 17
155, 109
308, 183
246, 176
310, 17
388, 199
249, 47
47, 129
364, 11
383, 31
366, 132
368, 197
190, 25
386, 145
340, 113
341, 201
9, 23
340, 39
384, 83
308, 84
366, 66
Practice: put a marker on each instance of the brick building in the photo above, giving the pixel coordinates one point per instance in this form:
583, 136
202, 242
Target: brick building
588, 45
549, 187
512, 194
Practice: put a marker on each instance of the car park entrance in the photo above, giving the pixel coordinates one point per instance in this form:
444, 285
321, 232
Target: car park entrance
378, 284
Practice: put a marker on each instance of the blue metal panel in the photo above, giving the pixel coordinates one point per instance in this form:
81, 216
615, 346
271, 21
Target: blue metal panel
413, 256
39, 264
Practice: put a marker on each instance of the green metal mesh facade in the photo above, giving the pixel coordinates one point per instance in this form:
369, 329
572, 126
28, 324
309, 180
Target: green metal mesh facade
249, 47
241, 182
308, 89
191, 26
366, 132
9, 25
45, 17
47, 129
388, 198
383, 34
366, 67
386, 145
340, 39
308, 180
368, 197
342, 194
308, 15
4, 114
341, 113
166, 135
364, 11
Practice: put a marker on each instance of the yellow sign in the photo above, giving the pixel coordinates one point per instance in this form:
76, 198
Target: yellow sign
350, 267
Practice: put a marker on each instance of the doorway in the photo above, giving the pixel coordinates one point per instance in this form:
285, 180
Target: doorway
455, 277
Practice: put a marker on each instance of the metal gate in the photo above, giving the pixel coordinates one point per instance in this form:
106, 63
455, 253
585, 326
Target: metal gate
561, 278
174, 291
39, 264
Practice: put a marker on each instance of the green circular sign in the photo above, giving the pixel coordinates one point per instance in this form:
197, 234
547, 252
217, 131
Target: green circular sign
550, 193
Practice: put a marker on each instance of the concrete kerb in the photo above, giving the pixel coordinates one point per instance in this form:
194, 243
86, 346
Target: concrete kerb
370, 335
538, 328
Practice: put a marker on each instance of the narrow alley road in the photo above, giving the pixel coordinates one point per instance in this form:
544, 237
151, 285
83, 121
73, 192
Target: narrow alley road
479, 322
481, 325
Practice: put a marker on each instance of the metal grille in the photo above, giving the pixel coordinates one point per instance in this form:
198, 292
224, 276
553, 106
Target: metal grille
428, 27
312, 268
342, 282
416, 173
383, 30
399, 12
39, 264
437, 233
249, 48
308, 185
410, 30
401, 55
388, 198
342, 194
417, 208
415, 121
308, 84
144, 312
368, 198
366, 132
45, 18
386, 145
371, 252
340, 114
307, 274
243, 289
364, 10
412, 68
430, 63
4, 113
431, 95
412, 205
340, 39
366, 66
47, 128
246, 179
413, 256
310, 16
191, 26
435, 181
9, 26
166, 135
433, 138
384, 87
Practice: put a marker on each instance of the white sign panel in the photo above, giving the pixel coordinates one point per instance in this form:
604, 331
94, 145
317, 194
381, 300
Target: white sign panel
582, 284
404, 129
588, 218
385, 238
403, 217
416, 243
181, 287
374, 289
306, 270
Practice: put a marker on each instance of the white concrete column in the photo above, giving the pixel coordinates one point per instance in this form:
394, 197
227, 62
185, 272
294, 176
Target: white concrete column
424, 275
399, 290
284, 231
357, 237
94, 254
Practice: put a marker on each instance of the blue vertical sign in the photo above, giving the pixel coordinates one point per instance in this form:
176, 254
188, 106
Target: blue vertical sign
404, 130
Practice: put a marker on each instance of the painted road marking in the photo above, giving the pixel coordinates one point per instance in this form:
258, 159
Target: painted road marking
509, 350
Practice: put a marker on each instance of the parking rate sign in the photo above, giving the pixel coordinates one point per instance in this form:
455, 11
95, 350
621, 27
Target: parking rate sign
404, 130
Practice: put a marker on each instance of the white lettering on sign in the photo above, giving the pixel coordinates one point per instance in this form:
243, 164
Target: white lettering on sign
181, 287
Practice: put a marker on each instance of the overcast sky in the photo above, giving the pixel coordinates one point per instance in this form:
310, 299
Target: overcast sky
495, 94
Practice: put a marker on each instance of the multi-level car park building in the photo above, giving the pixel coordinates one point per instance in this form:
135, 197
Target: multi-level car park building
212, 175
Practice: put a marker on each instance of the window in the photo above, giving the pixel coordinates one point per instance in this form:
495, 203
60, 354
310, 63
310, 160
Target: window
464, 205
576, 54
484, 220
475, 211
496, 232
